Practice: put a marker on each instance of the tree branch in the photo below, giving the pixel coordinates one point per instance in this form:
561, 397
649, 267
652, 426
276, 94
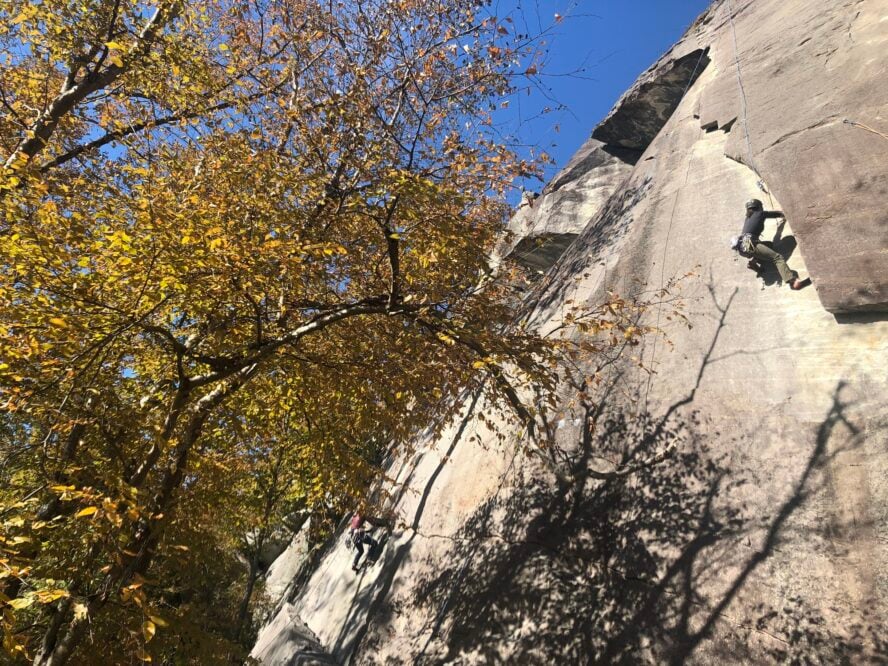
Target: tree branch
72, 93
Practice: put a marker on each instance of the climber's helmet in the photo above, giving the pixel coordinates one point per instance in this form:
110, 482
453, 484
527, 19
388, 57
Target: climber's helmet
754, 204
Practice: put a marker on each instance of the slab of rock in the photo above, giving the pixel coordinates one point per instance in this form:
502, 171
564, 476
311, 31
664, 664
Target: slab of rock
543, 227
789, 76
287, 641
804, 68
287, 566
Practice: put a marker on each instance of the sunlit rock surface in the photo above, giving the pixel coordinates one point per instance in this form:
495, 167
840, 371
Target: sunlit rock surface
544, 227
286, 567
762, 534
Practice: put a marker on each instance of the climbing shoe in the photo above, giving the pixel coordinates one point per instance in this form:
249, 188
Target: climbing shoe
796, 284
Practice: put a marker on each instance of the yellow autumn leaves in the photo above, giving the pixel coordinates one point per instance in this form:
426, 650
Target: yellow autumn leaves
241, 265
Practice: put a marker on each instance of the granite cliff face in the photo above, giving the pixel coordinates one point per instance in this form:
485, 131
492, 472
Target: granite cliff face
543, 228
753, 527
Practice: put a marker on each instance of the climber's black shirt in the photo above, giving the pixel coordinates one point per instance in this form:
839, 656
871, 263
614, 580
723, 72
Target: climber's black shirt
755, 221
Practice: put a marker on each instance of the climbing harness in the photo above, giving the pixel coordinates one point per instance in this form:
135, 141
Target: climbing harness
744, 245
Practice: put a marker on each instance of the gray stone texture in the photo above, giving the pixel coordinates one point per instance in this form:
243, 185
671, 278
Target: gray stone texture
753, 528
806, 67
644, 109
543, 228
286, 567
287, 641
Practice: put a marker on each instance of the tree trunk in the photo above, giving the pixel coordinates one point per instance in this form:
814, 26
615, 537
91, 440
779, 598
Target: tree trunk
57, 652
244, 606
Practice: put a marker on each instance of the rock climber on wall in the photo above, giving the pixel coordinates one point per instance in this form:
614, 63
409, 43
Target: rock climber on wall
358, 537
749, 245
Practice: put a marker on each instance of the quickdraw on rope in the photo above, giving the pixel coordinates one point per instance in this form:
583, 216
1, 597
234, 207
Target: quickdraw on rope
865, 127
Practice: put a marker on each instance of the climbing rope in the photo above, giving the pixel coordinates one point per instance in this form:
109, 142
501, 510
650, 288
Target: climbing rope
744, 105
865, 127
666, 244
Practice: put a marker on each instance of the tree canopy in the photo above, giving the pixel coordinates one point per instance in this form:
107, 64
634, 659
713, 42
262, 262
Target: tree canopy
245, 255
243, 243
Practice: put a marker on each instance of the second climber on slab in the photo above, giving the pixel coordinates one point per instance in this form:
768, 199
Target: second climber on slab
358, 538
749, 244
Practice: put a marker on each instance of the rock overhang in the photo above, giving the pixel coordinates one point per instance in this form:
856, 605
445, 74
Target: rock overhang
642, 112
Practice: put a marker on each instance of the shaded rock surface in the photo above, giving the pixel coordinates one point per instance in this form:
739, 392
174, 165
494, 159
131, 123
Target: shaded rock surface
644, 109
543, 228
287, 641
287, 566
754, 527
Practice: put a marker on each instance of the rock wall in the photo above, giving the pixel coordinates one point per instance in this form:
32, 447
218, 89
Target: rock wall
544, 227
753, 527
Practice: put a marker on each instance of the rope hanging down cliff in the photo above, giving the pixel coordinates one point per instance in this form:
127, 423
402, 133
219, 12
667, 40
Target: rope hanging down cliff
666, 242
744, 103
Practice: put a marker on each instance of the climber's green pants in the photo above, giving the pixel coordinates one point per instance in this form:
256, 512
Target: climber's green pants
766, 253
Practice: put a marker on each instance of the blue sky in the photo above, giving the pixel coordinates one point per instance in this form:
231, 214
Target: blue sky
611, 41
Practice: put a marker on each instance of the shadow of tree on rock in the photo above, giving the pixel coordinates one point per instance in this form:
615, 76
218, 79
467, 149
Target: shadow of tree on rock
373, 605
646, 553
576, 566
630, 568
